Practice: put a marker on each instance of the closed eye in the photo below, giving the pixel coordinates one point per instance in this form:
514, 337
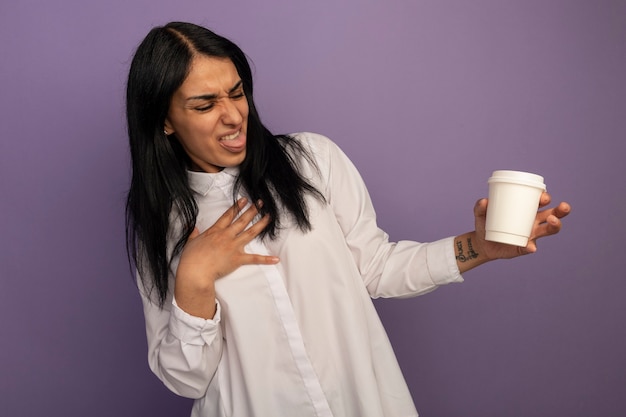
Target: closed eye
235, 93
205, 108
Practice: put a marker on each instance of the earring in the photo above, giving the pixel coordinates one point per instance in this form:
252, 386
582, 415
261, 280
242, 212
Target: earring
165, 131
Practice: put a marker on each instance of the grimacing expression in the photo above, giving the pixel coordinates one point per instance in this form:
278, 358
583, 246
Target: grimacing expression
208, 114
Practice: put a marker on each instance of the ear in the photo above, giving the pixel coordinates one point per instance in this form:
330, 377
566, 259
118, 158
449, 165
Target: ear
167, 127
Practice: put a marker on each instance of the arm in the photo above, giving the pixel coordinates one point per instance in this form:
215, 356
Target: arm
388, 269
184, 338
183, 351
473, 250
410, 268
213, 254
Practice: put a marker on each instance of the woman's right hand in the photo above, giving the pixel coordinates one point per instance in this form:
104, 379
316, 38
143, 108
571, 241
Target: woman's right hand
214, 253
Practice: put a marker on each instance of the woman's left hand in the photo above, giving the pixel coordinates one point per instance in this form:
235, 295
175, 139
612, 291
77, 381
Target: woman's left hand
547, 222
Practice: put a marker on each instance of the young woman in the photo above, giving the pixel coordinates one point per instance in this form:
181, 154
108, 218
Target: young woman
258, 255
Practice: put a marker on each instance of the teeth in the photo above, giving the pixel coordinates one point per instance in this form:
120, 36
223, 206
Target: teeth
231, 137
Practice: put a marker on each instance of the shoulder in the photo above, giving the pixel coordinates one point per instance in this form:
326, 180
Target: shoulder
310, 139
323, 157
319, 146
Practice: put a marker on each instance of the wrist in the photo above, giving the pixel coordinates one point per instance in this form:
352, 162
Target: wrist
196, 300
469, 252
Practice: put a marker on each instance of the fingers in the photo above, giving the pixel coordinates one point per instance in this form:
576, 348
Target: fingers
240, 228
229, 215
480, 208
248, 234
562, 210
553, 225
549, 221
254, 230
244, 219
545, 199
558, 212
255, 259
553, 221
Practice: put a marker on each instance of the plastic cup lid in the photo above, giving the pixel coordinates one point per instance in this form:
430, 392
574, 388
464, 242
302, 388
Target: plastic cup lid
518, 177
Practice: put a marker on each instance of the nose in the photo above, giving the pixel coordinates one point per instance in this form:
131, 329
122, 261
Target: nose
231, 114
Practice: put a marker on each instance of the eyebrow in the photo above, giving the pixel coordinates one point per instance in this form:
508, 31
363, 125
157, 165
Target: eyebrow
234, 88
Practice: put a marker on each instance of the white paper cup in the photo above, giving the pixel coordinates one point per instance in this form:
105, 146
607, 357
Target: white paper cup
512, 208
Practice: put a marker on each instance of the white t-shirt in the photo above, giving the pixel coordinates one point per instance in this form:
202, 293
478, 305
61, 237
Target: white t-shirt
300, 338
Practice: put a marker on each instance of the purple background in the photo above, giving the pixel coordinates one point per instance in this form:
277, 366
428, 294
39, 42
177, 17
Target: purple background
427, 98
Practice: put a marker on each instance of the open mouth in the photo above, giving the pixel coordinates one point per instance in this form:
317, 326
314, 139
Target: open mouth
235, 142
231, 137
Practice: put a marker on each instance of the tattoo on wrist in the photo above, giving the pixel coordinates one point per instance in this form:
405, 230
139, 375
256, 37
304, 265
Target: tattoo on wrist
463, 255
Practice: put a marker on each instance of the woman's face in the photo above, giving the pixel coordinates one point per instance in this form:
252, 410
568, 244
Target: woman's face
209, 115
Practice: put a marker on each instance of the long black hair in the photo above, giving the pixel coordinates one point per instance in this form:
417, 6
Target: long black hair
159, 185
